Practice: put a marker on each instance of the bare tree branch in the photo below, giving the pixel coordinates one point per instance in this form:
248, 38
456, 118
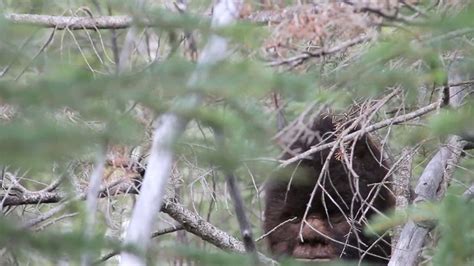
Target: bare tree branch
277, 16
124, 21
71, 23
29, 198
43, 217
395, 16
41, 50
195, 224
296, 60
388, 122
190, 221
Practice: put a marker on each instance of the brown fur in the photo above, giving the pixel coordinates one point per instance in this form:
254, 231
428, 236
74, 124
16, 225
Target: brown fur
335, 214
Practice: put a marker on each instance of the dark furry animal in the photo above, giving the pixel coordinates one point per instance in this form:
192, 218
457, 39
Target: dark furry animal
340, 207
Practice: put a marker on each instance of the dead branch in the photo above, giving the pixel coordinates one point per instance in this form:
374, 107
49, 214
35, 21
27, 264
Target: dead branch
71, 23
41, 50
196, 225
275, 17
29, 198
193, 223
124, 21
190, 221
46, 215
296, 60
388, 122
367, 8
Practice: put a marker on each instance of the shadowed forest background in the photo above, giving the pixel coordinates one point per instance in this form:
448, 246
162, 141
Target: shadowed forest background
143, 132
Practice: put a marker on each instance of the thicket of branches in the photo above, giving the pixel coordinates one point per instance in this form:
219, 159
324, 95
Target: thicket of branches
139, 132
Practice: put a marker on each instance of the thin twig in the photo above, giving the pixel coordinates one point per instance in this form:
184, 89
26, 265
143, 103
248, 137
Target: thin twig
48, 41
295, 60
245, 229
155, 234
275, 228
43, 217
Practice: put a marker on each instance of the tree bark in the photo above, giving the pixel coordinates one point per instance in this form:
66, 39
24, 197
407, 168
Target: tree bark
196, 225
401, 188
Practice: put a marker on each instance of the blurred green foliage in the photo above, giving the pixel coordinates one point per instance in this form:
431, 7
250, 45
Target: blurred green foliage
455, 225
67, 100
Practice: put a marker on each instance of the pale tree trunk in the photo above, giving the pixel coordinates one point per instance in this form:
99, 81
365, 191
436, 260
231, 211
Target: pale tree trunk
432, 183
169, 128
